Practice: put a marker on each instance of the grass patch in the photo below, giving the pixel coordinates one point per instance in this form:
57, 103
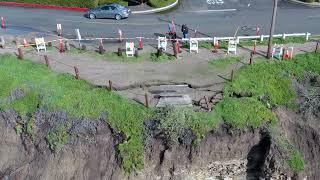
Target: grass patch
160, 3
207, 45
300, 40
76, 97
295, 161
58, 137
273, 80
110, 56
224, 62
163, 58
244, 112
73, 3
293, 158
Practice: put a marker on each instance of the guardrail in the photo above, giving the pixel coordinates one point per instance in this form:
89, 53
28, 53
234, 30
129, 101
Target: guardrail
261, 37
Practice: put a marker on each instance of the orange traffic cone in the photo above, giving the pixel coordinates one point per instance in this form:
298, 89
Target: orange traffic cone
140, 44
61, 46
25, 43
255, 47
286, 55
178, 47
3, 23
215, 46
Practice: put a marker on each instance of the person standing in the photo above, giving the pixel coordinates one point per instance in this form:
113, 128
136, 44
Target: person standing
185, 30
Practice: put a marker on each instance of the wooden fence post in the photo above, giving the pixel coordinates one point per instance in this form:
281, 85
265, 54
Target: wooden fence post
110, 85
146, 100
251, 58
46, 59
76, 70
232, 75
20, 54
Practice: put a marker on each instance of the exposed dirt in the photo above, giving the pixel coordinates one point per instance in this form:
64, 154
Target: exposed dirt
90, 153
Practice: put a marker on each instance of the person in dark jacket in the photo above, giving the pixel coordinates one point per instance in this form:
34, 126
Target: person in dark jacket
185, 30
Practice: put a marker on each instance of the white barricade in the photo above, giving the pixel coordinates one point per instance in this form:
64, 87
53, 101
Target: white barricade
194, 45
277, 51
41, 44
232, 46
130, 49
78, 36
162, 43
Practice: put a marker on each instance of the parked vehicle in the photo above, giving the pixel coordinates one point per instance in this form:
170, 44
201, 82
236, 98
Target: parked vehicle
115, 11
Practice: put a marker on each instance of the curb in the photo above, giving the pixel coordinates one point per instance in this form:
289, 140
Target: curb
43, 6
304, 3
157, 9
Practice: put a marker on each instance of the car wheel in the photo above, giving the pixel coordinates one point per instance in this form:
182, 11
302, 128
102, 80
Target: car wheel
118, 17
92, 16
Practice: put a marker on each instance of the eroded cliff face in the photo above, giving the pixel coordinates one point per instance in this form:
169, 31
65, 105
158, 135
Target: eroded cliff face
91, 155
91, 152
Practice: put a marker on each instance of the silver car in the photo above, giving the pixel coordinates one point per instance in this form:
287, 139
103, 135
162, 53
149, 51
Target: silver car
116, 11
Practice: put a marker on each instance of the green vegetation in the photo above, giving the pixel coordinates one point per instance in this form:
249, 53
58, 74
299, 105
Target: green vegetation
208, 45
72, 3
27, 104
69, 3
18, 129
58, 137
293, 157
160, 3
163, 58
295, 161
174, 121
103, 2
245, 103
244, 112
62, 93
113, 56
30, 128
109, 56
272, 79
287, 40
224, 62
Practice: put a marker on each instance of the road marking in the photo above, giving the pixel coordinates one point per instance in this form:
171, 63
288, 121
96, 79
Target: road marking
215, 10
113, 23
314, 16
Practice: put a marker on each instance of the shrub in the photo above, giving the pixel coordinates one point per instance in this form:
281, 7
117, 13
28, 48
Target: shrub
175, 120
57, 138
72, 3
244, 112
160, 3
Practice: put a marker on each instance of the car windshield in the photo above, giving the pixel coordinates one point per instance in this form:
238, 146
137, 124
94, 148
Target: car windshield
119, 6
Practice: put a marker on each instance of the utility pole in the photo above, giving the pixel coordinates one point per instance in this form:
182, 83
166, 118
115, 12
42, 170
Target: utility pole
273, 21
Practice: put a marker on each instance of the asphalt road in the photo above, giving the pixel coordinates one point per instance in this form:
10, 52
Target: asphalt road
209, 20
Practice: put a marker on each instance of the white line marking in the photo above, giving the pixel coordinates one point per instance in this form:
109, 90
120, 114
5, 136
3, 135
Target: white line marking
216, 10
112, 23
314, 16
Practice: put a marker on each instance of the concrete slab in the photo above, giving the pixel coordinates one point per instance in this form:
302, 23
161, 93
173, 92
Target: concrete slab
174, 100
